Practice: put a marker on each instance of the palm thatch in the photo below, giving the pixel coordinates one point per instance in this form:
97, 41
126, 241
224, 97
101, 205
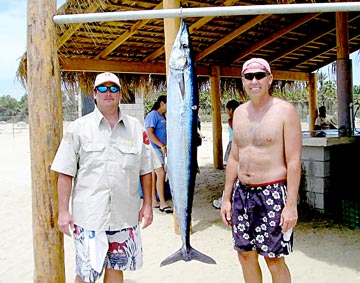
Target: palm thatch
294, 44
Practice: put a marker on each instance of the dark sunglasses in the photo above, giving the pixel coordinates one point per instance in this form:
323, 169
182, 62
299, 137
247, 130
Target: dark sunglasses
103, 88
257, 75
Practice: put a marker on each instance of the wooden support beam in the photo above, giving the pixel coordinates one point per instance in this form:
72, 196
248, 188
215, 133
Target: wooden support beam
171, 28
216, 117
343, 74
312, 100
45, 119
93, 65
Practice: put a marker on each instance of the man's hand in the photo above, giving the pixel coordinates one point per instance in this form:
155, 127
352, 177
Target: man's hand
64, 222
146, 215
226, 212
289, 218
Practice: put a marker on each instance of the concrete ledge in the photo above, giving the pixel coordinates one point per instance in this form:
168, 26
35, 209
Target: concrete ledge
327, 141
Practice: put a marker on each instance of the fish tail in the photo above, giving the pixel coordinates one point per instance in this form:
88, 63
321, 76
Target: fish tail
187, 255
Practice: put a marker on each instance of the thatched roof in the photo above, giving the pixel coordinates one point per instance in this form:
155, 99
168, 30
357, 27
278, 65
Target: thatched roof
292, 43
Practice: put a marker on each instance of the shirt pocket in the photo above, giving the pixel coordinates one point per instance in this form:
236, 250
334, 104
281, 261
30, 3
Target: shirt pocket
92, 152
129, 156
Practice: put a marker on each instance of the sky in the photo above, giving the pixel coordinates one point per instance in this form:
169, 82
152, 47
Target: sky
13, 31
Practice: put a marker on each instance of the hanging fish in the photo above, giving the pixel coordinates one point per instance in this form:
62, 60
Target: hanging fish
182, 112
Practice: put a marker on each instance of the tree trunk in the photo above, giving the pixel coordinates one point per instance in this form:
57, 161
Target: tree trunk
45, 115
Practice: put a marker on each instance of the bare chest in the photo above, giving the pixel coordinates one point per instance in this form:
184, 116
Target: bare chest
263, 132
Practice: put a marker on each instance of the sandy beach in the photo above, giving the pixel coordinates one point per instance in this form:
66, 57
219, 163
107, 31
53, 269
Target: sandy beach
324, 252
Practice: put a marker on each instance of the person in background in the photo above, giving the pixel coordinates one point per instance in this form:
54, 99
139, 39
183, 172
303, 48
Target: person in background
321, 121
100, 159
200, 136
263, 177
231, 105
230, 109
155, 123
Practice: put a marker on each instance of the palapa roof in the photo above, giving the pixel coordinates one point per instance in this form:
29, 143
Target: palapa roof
292, 43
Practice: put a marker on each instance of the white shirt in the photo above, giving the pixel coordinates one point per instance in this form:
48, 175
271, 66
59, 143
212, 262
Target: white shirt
322, 122
106, 164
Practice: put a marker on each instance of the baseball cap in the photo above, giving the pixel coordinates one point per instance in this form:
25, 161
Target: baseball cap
254, 63
106, 77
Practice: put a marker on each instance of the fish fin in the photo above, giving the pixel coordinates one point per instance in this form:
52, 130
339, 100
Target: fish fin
191, 254
172, 258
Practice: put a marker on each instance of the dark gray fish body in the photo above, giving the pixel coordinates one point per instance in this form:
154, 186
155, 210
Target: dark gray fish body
182, 113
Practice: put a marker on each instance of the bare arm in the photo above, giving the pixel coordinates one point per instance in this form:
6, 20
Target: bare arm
154, 139
64, 190
146, 212
293, 147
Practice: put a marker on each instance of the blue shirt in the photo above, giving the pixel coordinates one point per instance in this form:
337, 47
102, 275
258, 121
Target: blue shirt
157, 121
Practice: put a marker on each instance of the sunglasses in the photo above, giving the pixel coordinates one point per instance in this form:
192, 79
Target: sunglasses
257, 75
103, 88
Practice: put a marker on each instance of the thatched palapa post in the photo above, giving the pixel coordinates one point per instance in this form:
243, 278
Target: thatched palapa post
312, 100
216, 117
45, 115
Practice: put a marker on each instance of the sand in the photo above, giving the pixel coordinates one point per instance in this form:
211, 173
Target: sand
324, 252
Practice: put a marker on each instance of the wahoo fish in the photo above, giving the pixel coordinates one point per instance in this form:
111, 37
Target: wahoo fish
182, 111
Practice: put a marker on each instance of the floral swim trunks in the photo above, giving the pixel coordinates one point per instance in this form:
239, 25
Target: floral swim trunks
124, 252
256, 212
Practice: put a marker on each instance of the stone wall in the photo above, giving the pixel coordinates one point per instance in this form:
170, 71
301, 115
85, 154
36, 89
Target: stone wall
329, 174
316, 176
136, 110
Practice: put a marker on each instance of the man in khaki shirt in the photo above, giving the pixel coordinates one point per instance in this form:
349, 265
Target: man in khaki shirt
99, 161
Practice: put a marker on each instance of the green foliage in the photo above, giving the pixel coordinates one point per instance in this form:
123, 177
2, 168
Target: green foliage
296, 92
23, 109
9, 108
205, 103
12, 110
150, 98
327, 93
356, 99
69, 106
356, 93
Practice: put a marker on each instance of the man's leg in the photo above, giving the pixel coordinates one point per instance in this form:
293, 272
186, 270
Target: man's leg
79, 280
160, 185
250, 266
113, 276
278, 269
155, 202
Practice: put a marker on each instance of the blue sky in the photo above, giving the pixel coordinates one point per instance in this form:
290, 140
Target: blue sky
13, 45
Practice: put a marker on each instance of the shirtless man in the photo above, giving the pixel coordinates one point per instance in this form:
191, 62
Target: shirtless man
263, 177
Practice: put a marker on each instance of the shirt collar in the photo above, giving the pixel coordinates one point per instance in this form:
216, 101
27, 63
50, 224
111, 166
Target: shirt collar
99, 117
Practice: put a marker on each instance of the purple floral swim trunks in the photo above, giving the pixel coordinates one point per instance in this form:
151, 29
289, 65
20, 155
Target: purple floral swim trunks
256, 211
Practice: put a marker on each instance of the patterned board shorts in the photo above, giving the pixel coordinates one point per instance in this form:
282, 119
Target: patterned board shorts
124, 253
256, 212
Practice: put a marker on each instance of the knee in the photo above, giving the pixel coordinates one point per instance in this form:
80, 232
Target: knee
160, 173
275, 264
248, 257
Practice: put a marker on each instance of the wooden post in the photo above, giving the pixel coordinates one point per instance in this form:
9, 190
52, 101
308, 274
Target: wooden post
216, 117
45, 118
171, 28
343, 74
312, 100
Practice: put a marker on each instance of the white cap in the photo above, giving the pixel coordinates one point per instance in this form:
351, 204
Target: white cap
106, 77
